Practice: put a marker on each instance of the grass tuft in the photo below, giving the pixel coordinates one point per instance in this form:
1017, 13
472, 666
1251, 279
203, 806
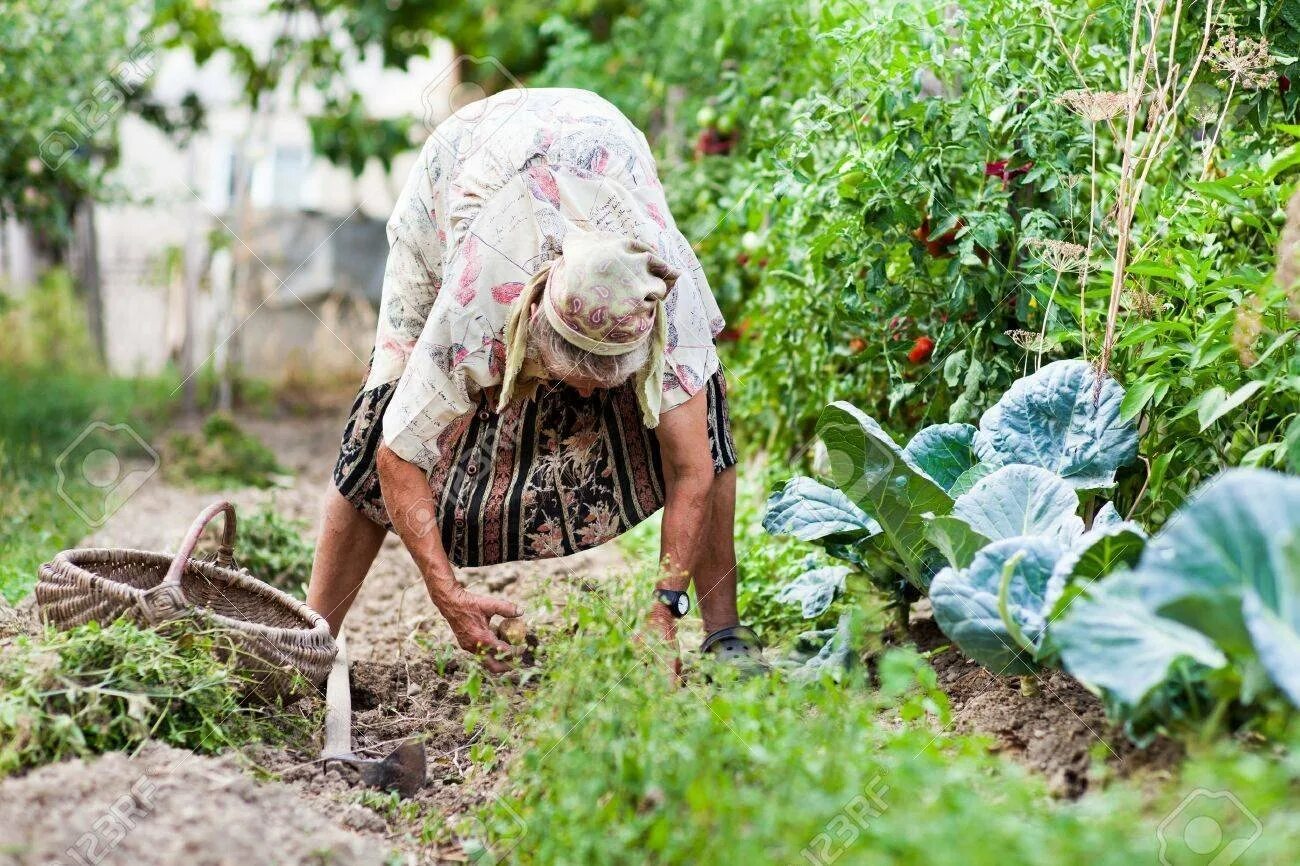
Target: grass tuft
221, 454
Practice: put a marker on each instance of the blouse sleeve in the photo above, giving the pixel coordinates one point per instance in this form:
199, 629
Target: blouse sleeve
413, 274
429, 397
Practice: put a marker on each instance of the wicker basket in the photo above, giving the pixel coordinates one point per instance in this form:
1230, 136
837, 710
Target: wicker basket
273, 636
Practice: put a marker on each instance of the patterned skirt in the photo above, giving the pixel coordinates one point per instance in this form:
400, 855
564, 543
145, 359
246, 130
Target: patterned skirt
547, 477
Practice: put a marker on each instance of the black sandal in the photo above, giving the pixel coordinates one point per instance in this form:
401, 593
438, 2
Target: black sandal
736, 645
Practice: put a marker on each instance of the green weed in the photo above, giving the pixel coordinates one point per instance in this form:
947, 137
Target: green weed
94, 689
221, 454
617, 766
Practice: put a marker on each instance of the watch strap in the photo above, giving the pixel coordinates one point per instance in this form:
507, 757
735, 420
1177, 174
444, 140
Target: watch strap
678, 602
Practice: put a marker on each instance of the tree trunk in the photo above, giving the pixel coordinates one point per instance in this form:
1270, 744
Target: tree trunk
85, 271
193, 262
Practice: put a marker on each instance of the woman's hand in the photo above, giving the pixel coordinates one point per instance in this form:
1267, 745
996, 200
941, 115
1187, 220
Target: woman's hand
469, 616
661, 639
406, 492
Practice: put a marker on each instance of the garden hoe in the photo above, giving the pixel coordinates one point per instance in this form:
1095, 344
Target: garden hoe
402, 771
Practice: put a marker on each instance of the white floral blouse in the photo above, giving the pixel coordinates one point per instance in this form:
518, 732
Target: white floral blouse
496, 188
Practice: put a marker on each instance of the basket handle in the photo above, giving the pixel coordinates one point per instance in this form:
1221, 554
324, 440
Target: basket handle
166, 599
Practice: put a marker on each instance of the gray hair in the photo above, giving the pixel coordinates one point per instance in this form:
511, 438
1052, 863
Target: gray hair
562, 359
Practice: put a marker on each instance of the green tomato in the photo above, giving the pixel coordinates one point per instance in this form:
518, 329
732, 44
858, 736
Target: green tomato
751, 242
1237, 224
727, 123
706, 116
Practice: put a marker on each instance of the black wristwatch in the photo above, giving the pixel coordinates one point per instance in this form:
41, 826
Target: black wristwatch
677, 602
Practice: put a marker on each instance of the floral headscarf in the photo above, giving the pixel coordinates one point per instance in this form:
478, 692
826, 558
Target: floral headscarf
604, 294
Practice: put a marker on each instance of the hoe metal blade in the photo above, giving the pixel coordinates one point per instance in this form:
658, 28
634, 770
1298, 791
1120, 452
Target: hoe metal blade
404, 770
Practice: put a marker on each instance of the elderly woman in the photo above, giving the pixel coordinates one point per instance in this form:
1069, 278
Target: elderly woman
544, 376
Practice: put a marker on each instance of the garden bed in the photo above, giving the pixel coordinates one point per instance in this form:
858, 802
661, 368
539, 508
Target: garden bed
407, 678
1061, 732
407, 681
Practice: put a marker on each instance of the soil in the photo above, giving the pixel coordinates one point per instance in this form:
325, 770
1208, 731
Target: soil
1061, 731
280, 805
166, 806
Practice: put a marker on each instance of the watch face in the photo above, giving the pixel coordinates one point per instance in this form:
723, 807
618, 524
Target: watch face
683, 604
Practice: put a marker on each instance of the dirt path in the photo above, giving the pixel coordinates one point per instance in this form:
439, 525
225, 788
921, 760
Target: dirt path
407, 681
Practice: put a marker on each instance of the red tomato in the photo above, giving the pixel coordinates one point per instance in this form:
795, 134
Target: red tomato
921, 350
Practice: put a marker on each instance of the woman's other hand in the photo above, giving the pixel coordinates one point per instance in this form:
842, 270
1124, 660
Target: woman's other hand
661, 639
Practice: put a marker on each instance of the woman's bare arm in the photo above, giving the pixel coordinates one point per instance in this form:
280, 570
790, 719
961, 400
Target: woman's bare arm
683, 435
411, 508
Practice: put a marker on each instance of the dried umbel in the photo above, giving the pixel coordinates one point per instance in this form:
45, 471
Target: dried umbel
1060, 256
1245, 61
1205, 112
1140, 303
1096, 105
1031, 341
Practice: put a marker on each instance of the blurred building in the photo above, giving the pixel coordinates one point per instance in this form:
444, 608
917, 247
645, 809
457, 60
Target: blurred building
286, 286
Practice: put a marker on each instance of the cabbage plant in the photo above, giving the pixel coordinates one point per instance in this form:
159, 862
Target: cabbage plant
898, 513
1209, 619
997, 605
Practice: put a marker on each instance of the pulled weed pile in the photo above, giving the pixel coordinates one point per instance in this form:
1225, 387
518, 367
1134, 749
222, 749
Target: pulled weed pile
96, 689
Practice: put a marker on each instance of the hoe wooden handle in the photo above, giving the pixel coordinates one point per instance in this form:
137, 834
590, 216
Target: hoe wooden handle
338, 705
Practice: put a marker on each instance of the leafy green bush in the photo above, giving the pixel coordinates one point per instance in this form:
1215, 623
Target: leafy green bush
47, 327
273, 549
94, 689
888, 226
79, 64
221, 454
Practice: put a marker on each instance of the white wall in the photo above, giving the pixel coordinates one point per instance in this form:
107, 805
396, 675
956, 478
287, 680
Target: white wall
169, 195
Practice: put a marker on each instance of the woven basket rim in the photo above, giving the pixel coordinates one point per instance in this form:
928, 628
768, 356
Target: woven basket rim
314, 625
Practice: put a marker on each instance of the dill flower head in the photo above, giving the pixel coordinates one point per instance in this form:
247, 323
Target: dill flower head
1096, 105
1031, 341
1245, 61
1205, 112
1060, 256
